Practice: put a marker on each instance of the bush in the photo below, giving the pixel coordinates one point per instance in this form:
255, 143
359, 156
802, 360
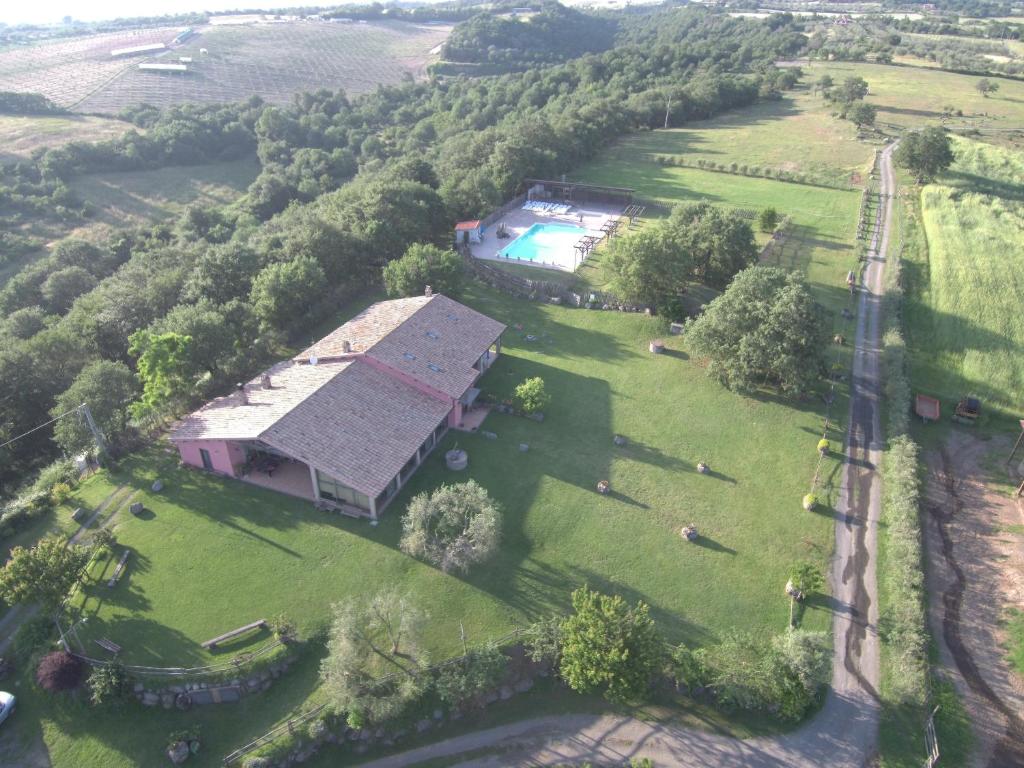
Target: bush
543, 641
902, 623
32, 636
60, 493
104, 539
453, 528
531, 396
59, 671
108, 684
477, 673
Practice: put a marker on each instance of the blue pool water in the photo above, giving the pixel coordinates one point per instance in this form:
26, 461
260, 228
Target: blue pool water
546, 243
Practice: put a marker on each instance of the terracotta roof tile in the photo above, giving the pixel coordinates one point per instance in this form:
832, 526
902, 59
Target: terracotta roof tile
360, 428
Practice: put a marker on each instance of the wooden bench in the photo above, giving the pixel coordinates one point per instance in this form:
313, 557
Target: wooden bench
211, 644
108, 645
119, 569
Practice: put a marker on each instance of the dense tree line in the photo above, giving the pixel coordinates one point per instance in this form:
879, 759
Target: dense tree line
556, 33
12, 103
222, 288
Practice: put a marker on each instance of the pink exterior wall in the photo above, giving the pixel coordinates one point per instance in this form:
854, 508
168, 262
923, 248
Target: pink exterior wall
226, 456
455, 417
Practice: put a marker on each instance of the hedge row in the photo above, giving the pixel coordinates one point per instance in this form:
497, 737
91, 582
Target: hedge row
903, 622
755, 171
37, 499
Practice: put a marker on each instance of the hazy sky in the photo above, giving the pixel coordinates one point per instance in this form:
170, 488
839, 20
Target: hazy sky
46, 11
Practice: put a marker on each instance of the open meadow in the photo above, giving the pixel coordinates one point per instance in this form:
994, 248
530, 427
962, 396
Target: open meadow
910, 97
272, 61
20, 136
210, 554
965, 326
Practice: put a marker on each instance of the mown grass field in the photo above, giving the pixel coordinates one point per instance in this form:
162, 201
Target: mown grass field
825, 220
909, 97
795, 133
20, 136
965, 327
215, 554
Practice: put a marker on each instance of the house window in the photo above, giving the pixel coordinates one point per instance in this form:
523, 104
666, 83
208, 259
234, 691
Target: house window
205, 456
339, 492
409, 467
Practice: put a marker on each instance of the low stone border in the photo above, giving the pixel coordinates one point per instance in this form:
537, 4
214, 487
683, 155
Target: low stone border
185, 695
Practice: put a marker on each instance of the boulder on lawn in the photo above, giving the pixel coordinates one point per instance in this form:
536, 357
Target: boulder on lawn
136, 508
158, 485
178, 752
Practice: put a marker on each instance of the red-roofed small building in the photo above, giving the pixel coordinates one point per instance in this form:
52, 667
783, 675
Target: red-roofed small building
347, 422
469, 232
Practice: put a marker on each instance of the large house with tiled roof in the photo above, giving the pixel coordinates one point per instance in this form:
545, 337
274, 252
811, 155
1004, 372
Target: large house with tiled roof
346, 422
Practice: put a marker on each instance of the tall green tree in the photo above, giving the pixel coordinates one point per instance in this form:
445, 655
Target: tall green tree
423, 265
925, 153
765, 329
107, 387
609, 647
719, 243
42, 574
162, 369
650, 267
282, 293
853, 89
862, 114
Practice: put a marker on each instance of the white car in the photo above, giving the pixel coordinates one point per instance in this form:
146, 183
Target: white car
7, 702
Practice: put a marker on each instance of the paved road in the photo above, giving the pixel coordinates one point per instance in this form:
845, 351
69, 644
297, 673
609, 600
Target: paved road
845, 733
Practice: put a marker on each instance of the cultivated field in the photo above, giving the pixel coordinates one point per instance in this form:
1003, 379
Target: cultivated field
965, 322
271, 61
20, 136
67, 71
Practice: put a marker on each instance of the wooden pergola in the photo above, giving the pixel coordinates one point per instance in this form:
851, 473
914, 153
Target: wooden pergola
579, 192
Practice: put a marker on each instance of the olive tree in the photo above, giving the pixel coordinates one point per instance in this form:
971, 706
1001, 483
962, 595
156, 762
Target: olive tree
374, 665
452, 528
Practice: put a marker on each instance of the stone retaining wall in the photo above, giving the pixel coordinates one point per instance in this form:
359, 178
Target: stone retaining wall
186, 694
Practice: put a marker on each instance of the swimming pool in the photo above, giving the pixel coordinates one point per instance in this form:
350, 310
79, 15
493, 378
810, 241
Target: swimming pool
546, 243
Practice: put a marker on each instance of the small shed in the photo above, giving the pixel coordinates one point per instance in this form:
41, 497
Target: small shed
468, 232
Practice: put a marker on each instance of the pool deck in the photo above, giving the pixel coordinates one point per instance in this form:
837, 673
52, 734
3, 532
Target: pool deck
517, 221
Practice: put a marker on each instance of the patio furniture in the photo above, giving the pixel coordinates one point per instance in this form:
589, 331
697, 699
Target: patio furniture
927, 408
968, 409
603, 486
212, 644
119, 569
108, 645
266, 463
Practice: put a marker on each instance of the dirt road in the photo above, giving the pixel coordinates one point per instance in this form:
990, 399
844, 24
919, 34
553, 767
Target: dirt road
845, 733
975, 572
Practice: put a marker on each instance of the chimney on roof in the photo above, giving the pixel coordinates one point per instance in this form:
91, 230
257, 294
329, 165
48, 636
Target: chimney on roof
428, 291
243, 396
346, 346
265, 381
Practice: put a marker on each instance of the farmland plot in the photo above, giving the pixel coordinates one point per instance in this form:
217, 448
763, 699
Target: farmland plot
69, 70
273, 62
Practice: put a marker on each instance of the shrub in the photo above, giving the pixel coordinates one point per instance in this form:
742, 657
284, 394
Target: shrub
823, 446
475, 674
59, 671
453, 528
108, 684
902, 623
104, 539
687, 668
531, 396
33, 635
543, 641
768, 219
810, 501
60, 493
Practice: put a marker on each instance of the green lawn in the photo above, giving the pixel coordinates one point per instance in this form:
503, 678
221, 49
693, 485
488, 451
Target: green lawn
214, 554
909, 97
965, 327
1015, 629
825, 220
796, 133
